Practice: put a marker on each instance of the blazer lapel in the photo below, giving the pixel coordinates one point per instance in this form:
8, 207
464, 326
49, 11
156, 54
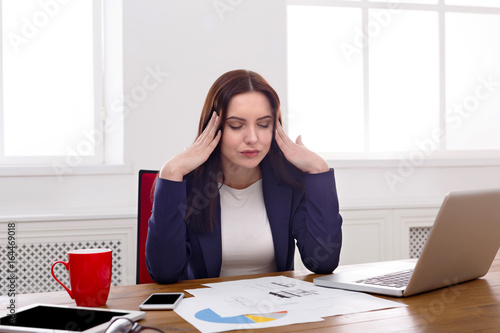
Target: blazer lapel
211, 247
278, 201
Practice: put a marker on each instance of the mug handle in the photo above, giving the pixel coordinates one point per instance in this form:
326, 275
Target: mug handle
53, 275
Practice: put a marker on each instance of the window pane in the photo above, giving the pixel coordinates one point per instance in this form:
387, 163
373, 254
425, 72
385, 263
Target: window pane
475, 3
47, 77
325, 87
404, 82
472, 81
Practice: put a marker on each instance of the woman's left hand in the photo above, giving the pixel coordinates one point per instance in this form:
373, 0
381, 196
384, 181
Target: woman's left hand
297, 154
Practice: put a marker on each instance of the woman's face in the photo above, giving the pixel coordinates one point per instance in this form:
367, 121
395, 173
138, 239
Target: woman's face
248, 131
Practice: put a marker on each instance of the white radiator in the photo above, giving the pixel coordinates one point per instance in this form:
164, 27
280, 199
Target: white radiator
33, 263
418, 237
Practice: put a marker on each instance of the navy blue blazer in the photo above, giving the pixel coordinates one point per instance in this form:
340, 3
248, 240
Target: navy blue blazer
174, 252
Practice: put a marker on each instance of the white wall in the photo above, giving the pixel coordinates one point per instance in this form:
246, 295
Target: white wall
191, 42
194, 45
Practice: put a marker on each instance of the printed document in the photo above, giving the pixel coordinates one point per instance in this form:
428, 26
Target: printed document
270, 301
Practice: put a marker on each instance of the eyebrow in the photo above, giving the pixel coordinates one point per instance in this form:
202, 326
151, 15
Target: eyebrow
243, 119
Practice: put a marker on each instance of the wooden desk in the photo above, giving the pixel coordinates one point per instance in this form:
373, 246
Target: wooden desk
471, 306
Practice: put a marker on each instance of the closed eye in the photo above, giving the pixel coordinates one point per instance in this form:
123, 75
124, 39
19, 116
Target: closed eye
264, 124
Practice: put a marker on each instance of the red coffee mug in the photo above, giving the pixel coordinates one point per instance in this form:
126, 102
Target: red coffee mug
89, 275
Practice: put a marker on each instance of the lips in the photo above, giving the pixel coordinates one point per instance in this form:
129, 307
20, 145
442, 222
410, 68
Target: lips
250, 153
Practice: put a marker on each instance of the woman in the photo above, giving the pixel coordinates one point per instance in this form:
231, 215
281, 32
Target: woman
236, 200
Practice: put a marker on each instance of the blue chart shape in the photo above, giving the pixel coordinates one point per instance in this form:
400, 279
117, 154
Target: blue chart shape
210, 316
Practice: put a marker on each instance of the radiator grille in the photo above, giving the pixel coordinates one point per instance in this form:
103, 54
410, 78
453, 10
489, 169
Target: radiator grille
418, 237
33, 263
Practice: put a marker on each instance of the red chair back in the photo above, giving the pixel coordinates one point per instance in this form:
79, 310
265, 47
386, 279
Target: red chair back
144, 207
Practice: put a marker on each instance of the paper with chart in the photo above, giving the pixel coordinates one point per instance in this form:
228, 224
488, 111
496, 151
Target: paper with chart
205, 318
280, 293
277, 300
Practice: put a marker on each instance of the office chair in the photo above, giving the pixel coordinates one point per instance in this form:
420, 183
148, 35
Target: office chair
144, 207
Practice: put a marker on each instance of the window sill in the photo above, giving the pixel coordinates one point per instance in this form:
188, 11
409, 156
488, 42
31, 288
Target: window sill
48, 170
413, 160
394, 203
74, 214
397, 163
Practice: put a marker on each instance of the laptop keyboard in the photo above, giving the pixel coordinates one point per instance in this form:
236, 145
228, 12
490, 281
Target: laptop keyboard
395, 280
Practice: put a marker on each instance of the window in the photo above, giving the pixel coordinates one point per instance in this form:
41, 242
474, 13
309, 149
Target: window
378, 79
51, 75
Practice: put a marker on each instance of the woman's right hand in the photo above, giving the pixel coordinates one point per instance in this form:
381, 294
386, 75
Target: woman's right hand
192, 157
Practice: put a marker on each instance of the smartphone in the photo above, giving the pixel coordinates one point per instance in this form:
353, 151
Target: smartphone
162, 301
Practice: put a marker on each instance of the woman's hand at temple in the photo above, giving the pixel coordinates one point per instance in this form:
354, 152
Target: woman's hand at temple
297, 154
192, 157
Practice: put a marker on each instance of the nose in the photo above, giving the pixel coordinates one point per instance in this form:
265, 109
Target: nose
251, 135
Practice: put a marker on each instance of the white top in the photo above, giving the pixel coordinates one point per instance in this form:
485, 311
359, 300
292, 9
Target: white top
247, 242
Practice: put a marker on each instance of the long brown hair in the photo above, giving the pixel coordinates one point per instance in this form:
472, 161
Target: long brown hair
202, 200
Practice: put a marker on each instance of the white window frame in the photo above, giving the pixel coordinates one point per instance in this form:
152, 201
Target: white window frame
439, 158
108, 84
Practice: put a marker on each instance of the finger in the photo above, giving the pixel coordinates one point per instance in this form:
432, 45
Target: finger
209, 132
279, 131
213, 125
285, 140
206, 129
215, 141
281, 137
278, 138
212, 137
299, 141
207, 150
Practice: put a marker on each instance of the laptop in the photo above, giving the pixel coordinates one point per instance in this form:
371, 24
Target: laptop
462, 245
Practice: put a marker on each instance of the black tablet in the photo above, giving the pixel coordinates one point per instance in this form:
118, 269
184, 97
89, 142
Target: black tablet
41, 318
